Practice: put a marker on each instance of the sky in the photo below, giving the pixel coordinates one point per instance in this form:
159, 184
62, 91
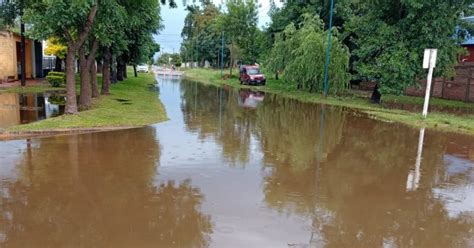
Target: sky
173, 21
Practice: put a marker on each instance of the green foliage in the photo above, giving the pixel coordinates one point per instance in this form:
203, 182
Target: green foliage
293, 12
56, 48
57, 99
142, 20
52, 17
240, 27
202, 33
170, 58
393, 57
204, 26
300, 54
56, 79
9, 11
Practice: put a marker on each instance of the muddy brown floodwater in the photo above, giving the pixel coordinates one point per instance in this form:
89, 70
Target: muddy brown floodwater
16, 109
240, 169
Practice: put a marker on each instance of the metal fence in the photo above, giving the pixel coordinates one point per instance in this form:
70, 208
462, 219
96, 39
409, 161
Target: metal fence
49, 63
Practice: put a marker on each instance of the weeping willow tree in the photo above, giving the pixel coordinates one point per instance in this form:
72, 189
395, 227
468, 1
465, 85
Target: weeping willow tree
300, 55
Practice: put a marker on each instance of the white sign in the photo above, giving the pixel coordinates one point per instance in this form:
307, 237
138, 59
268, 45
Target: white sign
430, 58
429, 62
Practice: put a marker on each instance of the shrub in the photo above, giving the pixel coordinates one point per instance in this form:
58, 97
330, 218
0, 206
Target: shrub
56, 79
56, 73
58, 100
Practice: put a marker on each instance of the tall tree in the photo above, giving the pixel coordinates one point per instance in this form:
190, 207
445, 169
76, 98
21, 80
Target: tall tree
70, 20
240, 24
393, 57
300, 54
202, 33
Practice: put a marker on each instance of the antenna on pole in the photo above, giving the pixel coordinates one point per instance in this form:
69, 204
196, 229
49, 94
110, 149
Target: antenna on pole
328, 51
222, 55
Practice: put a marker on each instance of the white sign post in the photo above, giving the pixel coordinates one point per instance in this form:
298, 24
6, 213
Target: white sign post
429, 62
413, 180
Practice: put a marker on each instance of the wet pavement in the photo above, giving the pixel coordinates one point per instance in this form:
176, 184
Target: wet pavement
236, 168
16, 109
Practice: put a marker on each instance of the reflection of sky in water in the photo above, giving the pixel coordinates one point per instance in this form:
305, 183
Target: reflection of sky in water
10, 154
457, 192
52, 110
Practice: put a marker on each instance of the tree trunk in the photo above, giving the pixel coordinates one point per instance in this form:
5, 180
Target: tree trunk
95, 88
231, 58
119, 70
276, 75
106, 72
73, 45
85, 96
58, 64
87, 63
113, 70
135, 71
71, 103
125, 76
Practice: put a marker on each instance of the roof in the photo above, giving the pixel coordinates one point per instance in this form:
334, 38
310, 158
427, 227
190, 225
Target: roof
469, 39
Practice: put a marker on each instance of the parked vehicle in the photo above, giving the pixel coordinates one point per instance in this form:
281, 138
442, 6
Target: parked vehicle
142, 68
251, 75
250, 99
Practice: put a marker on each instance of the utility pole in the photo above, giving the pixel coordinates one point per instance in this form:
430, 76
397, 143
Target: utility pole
328, 51
222, 55
22, 46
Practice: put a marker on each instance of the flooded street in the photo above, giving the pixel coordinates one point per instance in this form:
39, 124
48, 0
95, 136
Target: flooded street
16, 109
236, 168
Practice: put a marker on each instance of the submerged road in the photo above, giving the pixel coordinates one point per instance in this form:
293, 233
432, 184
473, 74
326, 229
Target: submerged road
237, 168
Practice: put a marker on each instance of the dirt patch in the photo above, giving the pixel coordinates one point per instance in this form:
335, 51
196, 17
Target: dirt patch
122, 100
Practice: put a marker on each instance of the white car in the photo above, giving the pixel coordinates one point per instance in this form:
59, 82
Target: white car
142, 68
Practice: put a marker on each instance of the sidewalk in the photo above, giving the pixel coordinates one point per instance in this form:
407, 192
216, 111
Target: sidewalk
17, 83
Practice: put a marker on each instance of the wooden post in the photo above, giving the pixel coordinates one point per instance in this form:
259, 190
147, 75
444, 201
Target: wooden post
442, 87
468, 86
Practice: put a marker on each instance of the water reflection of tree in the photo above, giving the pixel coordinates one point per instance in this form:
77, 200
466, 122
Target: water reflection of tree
293, 145
213, 112
362, 184
96, 190
290, 131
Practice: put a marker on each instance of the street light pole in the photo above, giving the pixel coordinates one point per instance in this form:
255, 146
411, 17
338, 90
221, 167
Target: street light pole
328, 51
222, 55
22, 46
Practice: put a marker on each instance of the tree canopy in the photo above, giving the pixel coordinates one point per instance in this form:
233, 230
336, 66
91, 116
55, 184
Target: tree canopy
300, 55
393, 57
112, 32
385, 38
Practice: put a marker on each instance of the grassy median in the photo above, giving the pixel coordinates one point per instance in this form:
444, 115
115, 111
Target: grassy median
435, 120
131, 103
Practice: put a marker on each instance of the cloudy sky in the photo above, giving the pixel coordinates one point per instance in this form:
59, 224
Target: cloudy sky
173, 20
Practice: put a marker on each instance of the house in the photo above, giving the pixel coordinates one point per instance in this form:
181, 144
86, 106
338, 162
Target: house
10, 56
468, 44
459, 87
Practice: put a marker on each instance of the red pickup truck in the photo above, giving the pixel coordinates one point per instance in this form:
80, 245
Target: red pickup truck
251, 75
